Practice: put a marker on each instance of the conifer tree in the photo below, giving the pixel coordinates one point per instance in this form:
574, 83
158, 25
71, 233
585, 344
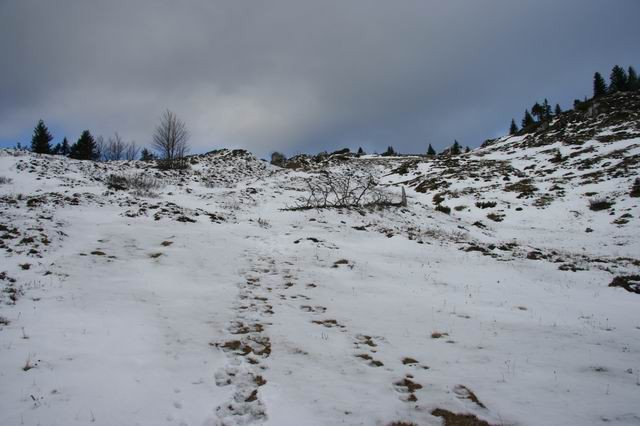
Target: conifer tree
513, 129
558, 110
632, 81
360, 152
455, 149
40, 139
618, 80
546, 110
599, 86
527, 120
146, 155
56, 149
537, 111
430, 151
467, 150
389, 152
85, 148
65, 148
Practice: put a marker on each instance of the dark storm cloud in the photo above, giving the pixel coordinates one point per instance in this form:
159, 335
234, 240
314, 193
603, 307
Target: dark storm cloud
303, 76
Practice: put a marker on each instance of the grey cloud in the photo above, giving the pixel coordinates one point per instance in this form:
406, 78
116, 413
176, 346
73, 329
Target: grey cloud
299, 75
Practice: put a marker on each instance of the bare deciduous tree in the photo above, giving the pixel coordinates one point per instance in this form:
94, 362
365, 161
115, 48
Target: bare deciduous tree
131, 152
115, 148
170, 137
100, 149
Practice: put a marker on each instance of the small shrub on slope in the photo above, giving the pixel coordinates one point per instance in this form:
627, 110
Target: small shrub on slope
443, 209
635, 189
597, 204
139, 184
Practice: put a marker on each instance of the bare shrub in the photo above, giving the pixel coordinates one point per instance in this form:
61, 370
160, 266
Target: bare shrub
342, 190
140, 185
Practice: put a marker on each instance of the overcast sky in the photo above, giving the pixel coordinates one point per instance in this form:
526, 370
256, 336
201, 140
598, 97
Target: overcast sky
302, 76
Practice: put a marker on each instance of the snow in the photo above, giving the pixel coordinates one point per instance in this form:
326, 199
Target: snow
297, 317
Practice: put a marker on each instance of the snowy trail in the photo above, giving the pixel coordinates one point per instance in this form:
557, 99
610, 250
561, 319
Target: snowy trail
207, 305
249, 345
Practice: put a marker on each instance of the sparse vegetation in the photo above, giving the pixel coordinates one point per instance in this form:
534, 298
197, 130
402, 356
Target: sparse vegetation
486, 204
453, 419
525, 187
5, 180
443, 209
496, 217
630, 283
635, 188
140, 184
598, 204
438, 198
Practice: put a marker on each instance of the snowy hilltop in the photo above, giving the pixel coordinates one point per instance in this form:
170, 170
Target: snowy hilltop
494, 287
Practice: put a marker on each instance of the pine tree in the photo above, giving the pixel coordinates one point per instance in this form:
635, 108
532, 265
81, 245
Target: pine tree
467, 150
558, 110
56, 149
389, 152
41, 138
619, 80
360, 152
146, 155
430, 151
537, 111
599, 86
455, 149
546, 110
632, 81
85, 148
527, 120
65, 149
513, 129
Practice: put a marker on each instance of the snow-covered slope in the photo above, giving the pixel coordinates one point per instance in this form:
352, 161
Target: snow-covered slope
203, 300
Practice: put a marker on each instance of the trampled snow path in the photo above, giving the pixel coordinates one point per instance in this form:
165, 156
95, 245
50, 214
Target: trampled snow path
248, 346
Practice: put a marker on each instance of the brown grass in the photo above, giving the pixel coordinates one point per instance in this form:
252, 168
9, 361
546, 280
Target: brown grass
453, 419
409, 361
